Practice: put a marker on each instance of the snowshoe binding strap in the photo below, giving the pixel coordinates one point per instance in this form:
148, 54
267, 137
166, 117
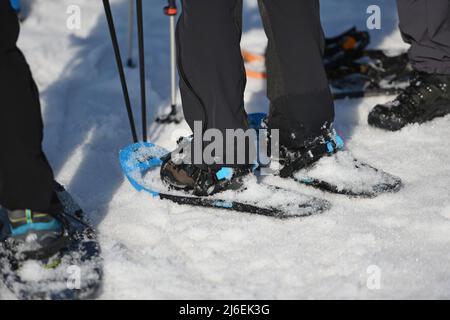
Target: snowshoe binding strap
202, 182
26, 225
297, 160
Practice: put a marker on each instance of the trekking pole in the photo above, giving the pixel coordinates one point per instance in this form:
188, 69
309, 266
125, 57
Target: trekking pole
140, 24
112, 31
130, 62
171, 11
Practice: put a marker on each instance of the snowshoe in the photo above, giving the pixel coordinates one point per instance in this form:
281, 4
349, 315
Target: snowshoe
325, 164
373, 74
141, 164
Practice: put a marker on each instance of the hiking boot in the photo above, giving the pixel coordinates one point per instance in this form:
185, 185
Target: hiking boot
199, 181
35, 235
426, 98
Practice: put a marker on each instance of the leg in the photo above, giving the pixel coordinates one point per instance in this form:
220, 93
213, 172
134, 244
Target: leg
297, 83
210, 64
425, 24
26, 180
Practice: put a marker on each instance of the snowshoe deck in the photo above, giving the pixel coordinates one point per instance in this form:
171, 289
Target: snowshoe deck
350, 176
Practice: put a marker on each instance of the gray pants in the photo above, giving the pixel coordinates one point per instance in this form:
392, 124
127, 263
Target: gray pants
425, 24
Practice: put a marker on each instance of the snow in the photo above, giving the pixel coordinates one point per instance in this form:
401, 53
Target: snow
157, 250
348, 174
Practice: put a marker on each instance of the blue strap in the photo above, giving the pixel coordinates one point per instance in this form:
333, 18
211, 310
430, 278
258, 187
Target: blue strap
339, 142
15, 4
224, 173
335, 145
54, 225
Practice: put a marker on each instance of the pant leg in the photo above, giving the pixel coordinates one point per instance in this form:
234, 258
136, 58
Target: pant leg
301, 101
212, 74
425, 24
26, 179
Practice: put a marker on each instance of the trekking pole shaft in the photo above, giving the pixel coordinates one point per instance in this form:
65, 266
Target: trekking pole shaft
130, 33
126, 96
171, 11
142, 68
173, 61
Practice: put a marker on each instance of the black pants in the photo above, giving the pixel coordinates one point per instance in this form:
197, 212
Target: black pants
425, 24
213, 76
26, 179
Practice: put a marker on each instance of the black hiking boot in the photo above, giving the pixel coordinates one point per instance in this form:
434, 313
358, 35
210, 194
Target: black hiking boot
426, 98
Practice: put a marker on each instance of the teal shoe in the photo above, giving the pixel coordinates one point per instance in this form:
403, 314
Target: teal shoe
35, 235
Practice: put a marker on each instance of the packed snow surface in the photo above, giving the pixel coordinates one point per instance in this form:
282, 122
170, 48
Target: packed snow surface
154, 249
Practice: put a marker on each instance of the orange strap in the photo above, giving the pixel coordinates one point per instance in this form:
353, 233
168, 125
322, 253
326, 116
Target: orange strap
252, 57
255, 74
